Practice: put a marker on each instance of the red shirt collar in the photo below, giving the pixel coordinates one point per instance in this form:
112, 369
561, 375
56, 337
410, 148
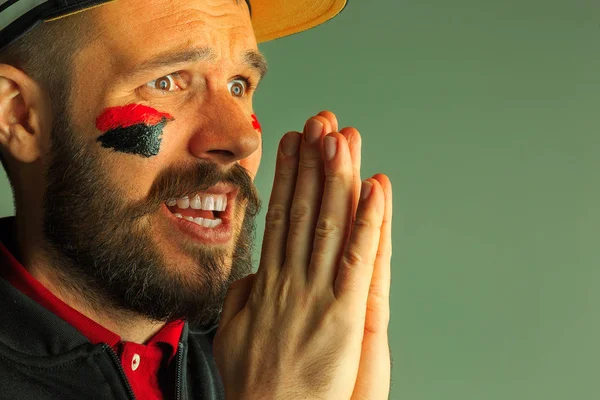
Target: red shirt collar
16, 274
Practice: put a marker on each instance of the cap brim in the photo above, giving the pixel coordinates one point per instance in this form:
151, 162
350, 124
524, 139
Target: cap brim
273, 19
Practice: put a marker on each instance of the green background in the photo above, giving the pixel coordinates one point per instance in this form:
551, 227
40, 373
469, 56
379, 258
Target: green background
482, 114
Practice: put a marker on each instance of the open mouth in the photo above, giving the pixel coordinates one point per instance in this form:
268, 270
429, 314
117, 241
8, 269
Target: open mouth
204, 209
205, 212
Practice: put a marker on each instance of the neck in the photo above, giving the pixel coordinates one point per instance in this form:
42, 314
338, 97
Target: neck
30, 251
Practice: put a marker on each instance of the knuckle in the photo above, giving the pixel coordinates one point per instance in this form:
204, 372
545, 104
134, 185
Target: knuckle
333, 178
352, 258
307, 162
276, 216
300, 212
365, 223
327, 228
286, 173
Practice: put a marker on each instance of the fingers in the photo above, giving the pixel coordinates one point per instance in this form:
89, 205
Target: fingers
331, 118
307, 198
355, 144
300, 230
334, 219
356, 266
277, 219
378, 302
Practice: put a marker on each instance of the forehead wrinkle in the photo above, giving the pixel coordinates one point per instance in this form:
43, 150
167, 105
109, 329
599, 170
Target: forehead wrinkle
165, 19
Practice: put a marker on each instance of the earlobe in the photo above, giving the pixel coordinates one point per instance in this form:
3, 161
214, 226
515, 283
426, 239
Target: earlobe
20, 128
21, 146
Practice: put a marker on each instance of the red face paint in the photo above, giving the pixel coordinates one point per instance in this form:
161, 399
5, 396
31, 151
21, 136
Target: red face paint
255, 123
133, 129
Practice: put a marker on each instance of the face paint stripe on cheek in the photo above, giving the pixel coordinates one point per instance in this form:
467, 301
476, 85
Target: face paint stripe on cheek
132, 129
131, 114
256, 124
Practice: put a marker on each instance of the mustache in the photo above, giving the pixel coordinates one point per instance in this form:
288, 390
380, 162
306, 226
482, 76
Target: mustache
176, 182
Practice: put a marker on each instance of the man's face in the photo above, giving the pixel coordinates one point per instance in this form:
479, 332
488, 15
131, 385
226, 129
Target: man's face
160, 108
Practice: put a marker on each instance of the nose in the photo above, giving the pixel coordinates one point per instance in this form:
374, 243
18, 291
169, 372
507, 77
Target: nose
226, 136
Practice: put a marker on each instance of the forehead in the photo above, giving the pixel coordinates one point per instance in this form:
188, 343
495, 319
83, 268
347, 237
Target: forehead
130, 31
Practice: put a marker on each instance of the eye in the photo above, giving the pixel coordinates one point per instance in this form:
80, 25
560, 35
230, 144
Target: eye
238, 87
165, 84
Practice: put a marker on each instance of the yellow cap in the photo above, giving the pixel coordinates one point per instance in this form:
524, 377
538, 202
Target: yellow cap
273, 19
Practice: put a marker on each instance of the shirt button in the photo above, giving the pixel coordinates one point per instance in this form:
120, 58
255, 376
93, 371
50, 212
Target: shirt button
135, 362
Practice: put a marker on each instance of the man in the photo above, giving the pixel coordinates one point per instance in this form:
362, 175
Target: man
128, 135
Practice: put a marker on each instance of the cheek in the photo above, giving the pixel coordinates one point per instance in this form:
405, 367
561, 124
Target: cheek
133, 129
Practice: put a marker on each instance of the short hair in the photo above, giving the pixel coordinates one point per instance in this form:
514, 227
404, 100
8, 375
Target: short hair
45, 53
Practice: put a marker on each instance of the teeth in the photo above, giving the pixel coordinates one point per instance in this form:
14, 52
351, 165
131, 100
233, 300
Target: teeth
209, 202
208, 223
205, 222
196, 203
219, 203
183, 203
215, 202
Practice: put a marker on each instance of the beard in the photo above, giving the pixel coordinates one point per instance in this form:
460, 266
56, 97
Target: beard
101, 249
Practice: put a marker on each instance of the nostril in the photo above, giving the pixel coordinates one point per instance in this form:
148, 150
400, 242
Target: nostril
226, 154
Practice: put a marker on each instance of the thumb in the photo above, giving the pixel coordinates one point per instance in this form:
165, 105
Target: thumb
236, 299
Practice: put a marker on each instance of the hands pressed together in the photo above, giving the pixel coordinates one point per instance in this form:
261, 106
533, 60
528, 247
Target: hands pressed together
312, 322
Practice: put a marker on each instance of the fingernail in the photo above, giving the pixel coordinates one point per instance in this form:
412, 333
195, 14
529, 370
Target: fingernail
290, 144
365, 190
314, 127
330, 147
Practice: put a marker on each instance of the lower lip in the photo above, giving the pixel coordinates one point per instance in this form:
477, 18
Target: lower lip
219, 235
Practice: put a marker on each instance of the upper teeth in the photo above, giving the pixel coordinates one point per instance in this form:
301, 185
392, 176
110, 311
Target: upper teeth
209, 202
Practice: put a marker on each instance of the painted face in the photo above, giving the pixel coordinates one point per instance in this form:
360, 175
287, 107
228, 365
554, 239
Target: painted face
256, 124
183, 79
134, 129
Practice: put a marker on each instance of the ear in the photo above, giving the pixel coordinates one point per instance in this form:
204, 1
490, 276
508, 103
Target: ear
22, 115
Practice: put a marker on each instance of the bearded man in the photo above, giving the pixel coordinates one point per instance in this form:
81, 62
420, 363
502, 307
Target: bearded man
128, 135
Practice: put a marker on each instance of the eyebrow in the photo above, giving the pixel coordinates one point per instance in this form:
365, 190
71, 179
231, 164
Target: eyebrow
257, 61
252, 58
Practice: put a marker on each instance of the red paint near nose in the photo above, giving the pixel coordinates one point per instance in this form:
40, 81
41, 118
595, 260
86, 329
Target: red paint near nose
256, 124
131, 114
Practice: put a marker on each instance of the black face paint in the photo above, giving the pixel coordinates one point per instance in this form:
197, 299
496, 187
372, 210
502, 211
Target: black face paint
133, 129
